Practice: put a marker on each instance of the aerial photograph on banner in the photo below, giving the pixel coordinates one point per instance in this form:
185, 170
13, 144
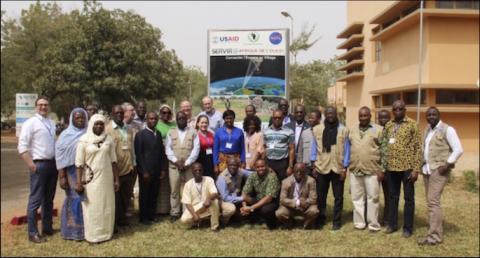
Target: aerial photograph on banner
247, 63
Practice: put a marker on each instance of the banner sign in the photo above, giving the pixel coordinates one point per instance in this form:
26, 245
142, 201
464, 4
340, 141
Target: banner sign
248, 62
25, 108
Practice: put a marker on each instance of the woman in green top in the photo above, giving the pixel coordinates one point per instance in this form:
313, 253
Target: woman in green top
163, 125
165, 122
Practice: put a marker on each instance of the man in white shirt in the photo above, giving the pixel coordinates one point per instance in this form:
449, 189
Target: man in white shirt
36, 146
442, 148
182, 148
200, 197
215, 118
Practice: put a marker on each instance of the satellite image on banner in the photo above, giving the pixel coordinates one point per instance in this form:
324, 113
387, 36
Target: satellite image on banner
247, 75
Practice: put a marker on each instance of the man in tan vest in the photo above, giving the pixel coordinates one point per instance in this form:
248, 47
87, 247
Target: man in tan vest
123, 137
182, 148
330, 154
365, 171
298, 196
442, 148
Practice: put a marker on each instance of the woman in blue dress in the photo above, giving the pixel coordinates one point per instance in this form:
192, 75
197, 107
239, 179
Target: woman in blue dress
71, 226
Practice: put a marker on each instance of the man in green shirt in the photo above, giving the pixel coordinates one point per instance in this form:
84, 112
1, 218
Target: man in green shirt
260, 195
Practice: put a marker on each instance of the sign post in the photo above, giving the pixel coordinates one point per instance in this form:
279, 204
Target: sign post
248, 62
25, 108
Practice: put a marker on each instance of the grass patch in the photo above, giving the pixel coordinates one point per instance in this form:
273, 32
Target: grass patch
470, 178
461, 236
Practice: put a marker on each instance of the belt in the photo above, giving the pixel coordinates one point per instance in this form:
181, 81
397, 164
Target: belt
43, 160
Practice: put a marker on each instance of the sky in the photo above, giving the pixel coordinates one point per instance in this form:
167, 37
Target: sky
184, 24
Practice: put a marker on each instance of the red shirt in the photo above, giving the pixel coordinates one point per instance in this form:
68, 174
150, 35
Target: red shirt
206, 142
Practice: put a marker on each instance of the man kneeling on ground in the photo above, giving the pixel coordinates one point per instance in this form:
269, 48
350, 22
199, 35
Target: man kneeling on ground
260, 195
229, 185
298, 196
200, 198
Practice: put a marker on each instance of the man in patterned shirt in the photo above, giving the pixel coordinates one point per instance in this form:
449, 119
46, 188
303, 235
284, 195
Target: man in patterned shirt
260, 195
402, 163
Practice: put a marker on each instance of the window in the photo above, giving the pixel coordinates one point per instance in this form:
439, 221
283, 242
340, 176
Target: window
410, 97
444, 4
378, 51
389, 98
465, 4
377, 101
457, 97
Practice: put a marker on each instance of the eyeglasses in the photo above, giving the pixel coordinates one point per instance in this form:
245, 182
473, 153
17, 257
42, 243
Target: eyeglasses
277, 117
166, 112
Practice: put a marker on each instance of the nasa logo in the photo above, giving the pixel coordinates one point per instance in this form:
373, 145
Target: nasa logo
253, 37
275, 38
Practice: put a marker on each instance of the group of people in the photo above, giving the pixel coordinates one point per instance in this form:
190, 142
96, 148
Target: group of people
203, 167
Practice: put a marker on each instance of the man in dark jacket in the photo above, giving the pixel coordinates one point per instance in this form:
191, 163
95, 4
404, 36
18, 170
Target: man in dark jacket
152, 165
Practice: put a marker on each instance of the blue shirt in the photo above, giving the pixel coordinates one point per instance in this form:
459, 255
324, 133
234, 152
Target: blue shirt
222, 187
228, 143
346, 157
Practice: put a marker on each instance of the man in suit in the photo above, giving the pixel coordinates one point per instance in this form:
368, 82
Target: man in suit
152, 165
303, 136
298, 196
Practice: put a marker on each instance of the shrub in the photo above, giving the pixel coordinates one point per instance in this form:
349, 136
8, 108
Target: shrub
470, 178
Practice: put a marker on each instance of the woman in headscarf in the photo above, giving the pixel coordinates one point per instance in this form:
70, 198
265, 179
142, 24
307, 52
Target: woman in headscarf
71, 225
97, 170
164, 124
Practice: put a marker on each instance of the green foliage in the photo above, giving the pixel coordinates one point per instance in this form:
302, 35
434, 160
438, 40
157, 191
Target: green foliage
92, 55
309, 82
471, 181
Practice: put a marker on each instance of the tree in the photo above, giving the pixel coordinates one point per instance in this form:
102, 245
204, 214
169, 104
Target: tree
302, 42
89, 55
310, 82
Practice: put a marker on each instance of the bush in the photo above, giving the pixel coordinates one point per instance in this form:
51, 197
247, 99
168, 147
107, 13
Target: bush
470, 178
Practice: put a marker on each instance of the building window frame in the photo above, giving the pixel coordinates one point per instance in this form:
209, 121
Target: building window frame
456, 97
378, 51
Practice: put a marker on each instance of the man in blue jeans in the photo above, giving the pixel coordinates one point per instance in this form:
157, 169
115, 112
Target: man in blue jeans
36, 146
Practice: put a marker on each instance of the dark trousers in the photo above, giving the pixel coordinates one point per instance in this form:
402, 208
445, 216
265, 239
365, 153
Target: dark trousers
279, 166
394, 180
386, 200
43, 184
323, 183
267, 212
122, 198
148, 196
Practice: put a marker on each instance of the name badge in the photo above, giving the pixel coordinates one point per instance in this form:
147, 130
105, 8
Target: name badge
229, 145
125, 147
209, 151
391, 140
248, 155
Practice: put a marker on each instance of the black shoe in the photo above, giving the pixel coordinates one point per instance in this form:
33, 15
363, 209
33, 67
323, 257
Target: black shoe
146, 222
390, 230
36, 239
174, 218
336, 227
155, 220
48, 232
406, 234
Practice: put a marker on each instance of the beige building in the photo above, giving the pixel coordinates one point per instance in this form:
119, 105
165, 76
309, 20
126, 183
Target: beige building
382, 60
336, 97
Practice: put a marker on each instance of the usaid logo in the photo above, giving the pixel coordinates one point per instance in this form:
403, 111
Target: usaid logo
275, 38
226, 39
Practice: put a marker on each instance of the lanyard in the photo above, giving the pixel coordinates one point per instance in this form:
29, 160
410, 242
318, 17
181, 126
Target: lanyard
48, 127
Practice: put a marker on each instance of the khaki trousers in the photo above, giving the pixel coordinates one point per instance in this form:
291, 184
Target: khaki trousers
285, 214
177, 181
228, 210
434, 184
213, 212
361, 186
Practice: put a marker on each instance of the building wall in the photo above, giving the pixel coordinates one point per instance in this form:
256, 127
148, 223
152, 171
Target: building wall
453, 51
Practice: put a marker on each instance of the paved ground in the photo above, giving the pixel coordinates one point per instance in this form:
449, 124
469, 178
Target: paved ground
15, 183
